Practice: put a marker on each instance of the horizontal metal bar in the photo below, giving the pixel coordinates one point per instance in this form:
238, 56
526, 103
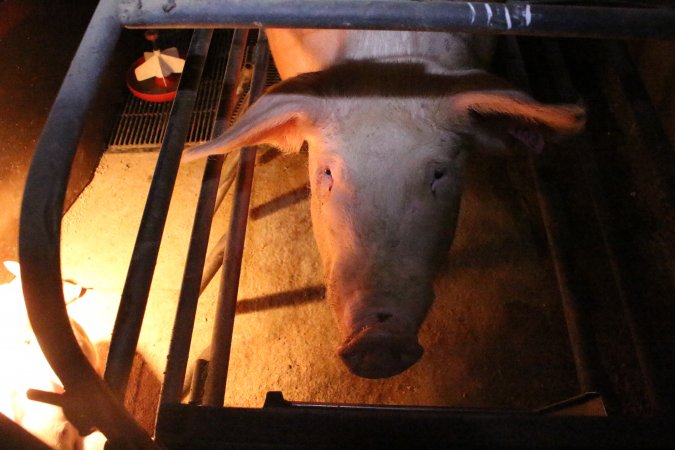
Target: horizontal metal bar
582, 402
521, 18
203, 427
275, 399
39, 239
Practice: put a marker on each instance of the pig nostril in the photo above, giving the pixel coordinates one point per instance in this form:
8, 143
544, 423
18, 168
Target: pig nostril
383, 317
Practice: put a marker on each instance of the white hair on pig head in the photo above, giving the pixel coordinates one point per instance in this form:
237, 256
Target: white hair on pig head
387, 145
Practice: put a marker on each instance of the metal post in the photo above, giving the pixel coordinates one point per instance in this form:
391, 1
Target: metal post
181, 337
141, 269
224, 321
524, 18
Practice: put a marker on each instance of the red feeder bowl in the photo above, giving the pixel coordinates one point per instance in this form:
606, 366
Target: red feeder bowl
153, 89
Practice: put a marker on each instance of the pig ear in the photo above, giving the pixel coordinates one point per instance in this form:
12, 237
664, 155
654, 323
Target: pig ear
280, 120
496, 117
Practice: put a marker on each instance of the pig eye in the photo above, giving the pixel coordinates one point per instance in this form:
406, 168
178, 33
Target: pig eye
437, 176
325, 180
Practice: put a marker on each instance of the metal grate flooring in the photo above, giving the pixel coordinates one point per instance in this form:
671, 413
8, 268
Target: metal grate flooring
141, 125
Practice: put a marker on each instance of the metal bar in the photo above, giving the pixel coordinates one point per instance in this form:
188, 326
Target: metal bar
517, 18
141, 269
181, 337
224, 321
198, 381
646, 117
229, 172
214, 261
560, 88
580, 333
275, 399
14, 436
39, 239
657, 382
347, 428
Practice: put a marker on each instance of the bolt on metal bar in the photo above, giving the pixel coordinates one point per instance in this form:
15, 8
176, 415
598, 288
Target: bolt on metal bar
580, 333
522, 18
179, 348
40, 229
144, 257
224, 321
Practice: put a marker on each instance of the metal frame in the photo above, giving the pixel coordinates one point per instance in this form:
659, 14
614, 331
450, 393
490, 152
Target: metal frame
523, 18
89, 401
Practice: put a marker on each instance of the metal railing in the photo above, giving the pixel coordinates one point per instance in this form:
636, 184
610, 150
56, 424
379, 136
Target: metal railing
90, 401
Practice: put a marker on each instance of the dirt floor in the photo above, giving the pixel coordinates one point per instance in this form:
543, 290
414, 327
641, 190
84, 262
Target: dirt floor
495, 336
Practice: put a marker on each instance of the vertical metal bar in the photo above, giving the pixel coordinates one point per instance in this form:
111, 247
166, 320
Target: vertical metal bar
579, 331
214, 261
658, 386
659, 392
181, 337
646, 117
144, 257
198, 380
590, 176
224, 322
39, 239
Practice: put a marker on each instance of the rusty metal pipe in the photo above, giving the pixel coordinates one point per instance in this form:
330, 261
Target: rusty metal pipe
224, 321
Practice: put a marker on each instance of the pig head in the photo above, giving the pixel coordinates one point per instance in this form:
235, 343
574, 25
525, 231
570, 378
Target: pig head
388, 139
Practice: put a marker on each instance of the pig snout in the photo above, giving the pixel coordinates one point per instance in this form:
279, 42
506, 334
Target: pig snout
379, 350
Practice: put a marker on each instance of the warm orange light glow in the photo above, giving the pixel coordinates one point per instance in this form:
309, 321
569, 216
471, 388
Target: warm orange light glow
25, 367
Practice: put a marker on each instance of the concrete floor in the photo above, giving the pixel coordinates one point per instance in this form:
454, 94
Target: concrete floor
37, 42
494, 338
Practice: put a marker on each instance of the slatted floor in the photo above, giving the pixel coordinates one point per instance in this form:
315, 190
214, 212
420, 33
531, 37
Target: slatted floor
141, 125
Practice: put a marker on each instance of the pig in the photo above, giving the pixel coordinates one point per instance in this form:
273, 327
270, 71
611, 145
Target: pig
28, 369
389, 118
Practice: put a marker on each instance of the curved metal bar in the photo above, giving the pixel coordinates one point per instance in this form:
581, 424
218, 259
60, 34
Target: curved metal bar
522, 18
40, 228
